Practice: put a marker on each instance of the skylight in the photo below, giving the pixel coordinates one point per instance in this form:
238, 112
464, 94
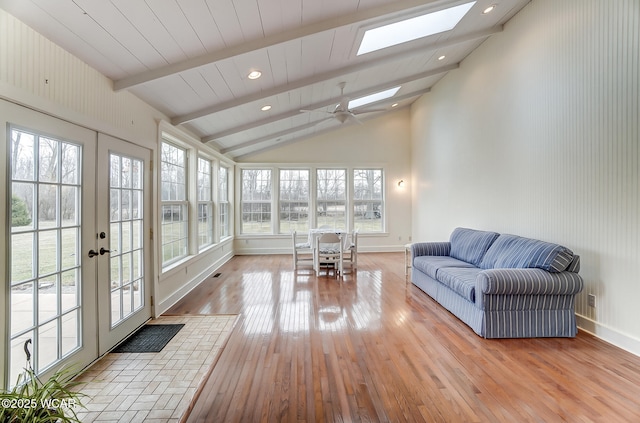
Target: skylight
413, 28
373, 97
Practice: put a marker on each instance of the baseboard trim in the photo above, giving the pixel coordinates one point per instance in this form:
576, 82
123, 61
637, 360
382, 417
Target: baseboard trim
609, 335
189, 286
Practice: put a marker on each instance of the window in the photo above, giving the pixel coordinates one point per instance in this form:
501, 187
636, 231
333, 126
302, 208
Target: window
294, 200
45, 252
331, 198
367, 200
175, 233
223, 200
205, 204
256, 201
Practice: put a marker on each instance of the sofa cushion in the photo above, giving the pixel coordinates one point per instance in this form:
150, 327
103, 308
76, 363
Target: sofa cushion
431, 264
462, 280
470, 245
511, 251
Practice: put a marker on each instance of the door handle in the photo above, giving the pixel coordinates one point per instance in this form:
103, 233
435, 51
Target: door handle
92, 253
103, 251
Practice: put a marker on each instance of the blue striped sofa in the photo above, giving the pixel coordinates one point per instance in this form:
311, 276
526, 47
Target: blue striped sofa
501, 285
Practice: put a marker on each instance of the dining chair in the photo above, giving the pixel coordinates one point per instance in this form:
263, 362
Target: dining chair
328, 251
351, 252
302, 252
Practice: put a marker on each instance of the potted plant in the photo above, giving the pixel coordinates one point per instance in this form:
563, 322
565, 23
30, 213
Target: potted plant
32, 400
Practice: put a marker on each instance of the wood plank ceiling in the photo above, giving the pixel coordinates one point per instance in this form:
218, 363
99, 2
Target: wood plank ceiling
190, 58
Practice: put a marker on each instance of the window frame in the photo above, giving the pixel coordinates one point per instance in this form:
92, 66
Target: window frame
355, 202
182, 205
345, 200
262, 202
224, 206
205, 237
283, 229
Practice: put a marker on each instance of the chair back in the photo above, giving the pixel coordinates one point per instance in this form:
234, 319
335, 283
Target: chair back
329, 238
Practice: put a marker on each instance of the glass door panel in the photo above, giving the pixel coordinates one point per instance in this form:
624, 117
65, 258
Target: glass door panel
123, 271
51, 285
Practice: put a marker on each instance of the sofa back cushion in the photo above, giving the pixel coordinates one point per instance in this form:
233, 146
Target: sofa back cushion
511, 251
470, 245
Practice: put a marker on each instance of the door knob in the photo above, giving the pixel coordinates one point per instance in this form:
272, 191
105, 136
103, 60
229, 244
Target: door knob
103, 251
92, 253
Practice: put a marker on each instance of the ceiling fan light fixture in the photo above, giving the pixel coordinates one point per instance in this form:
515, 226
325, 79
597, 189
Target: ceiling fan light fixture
413, 28
254, 74
371, 98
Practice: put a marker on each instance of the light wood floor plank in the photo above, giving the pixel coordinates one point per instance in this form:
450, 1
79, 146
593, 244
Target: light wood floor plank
374, 348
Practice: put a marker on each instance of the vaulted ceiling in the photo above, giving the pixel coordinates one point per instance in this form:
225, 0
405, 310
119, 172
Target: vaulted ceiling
191, 59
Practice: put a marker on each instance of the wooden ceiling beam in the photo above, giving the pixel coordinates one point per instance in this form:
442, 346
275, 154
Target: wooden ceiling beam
363, 65
275, 39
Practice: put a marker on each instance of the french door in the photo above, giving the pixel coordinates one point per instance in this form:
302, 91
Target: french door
124, 294
77, 207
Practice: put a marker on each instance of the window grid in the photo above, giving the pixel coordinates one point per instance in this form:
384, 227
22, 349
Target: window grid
175, 219
256, 201
331, 198
367, 200
294, 200
205, 203
45, 281
223, 201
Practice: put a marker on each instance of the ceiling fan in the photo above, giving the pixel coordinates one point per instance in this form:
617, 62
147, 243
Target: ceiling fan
342, 113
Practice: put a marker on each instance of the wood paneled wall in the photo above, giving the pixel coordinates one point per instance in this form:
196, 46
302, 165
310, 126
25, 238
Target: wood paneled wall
537, 134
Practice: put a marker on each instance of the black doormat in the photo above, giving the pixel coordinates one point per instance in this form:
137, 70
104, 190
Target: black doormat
149, 339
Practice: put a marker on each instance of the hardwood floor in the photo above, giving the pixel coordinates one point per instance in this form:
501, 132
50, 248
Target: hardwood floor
375, 348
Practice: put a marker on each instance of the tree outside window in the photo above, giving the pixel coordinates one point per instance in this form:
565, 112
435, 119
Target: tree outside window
294, 200
223, 201
367, 200
256, 201
205, 204
331, 198
173, 186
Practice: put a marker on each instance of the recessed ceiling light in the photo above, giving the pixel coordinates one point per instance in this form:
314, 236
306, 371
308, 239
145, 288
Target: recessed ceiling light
394, 105
442, 57
489, 9
413, 28
266, 107
255, 74
373, 97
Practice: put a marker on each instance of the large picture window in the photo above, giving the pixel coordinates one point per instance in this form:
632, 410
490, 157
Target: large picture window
294, 200
175, 233
331, 198
256, 201
367, 200
205, 203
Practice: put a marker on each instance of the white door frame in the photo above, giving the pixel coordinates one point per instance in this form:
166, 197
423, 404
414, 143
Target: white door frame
27, 119
110, 335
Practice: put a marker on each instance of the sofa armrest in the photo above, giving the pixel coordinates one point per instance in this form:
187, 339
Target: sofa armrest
528, 281
430, 249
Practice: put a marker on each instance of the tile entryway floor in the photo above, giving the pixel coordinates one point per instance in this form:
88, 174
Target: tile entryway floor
155, 387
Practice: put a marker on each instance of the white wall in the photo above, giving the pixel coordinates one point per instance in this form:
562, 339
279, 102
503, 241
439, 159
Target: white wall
537, 134
36, 73
384, 142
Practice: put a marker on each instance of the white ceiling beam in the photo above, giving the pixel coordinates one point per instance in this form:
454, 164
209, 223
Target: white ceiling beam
314, 123
363, 65
292, 113
282, 37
